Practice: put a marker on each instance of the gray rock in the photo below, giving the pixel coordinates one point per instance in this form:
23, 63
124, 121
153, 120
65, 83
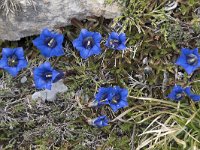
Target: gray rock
21, 18
50, 95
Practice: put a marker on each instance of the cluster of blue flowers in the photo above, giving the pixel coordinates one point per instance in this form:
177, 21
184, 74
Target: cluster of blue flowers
88, 43
115, 97
50, 44
190, 61
178, 93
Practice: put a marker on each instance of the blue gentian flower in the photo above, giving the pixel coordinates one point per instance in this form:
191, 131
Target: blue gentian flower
99, 122
176, 93
189, 93
45, 75
189, 60
119, 98
13, 60
49, 43
104, 96
116, 41
88, 43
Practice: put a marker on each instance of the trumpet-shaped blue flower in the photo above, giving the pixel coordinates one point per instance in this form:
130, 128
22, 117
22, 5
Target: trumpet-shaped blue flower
45, 75
189, 60
49, 43
99, 122
189, 93
13, 60
176, 93
119, 98
116, 41
88, 43
104, 96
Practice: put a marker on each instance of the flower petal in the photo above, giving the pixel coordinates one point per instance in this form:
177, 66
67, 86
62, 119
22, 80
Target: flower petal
7, 52
176, 89
59, 39
46, 65
55, 73
57, 51
58, 77
12, 70
181, 60
114, 35
48, 85
45, 51
123, 104
186, 51
97, 38
189, 69
77, 43
107, 43
114, 107
124, 92
19, 52
100, 121
195, 51
39, 83
189, 93
38, 42
121, 47
85, 33
22, 64
122, 37
3, 62
85, 53
46, 33
95, 50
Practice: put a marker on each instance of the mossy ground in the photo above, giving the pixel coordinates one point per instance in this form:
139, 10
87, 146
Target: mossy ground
146, 69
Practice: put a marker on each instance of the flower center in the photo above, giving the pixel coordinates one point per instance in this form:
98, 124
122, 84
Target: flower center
50, 42
47, 76
116, 99
12, 61
178, 95
192, 59
114, 43
88, 42
104, 98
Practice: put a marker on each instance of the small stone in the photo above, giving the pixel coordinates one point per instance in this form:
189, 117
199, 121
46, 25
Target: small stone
59, 87
180, 76
50, 95
145, 61
23, 79
171, 6
148, 70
